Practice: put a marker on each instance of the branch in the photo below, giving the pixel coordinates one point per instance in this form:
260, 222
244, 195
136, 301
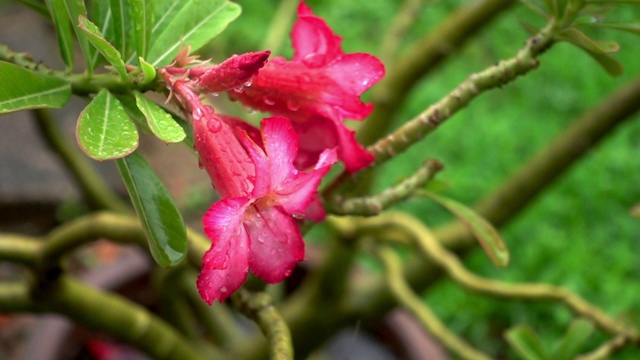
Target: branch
408, 299
93, 186
375, 204
116, 316
607, 349
445, 259
81, 84
258, 307
495, 76
14, 297
19, 249
423, 57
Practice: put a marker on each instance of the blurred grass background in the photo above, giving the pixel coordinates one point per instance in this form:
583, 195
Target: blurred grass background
578, 233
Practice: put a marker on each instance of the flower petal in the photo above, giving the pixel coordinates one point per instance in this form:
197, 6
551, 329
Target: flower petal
232, 73
298, 193
225, 264
314, 42
281, 145
276, 243
356, 72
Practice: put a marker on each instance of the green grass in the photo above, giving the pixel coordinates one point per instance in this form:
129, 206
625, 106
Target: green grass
577, 233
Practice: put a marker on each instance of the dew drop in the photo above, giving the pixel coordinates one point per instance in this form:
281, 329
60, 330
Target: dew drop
213, 125
268, 101
293, 105
200, 165
197, 114
223, 289
298, 216
238, 89
287, 273
248, 83
215, 94
314, 60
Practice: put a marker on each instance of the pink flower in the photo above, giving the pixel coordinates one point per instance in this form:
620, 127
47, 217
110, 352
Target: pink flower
317, 90
253, 227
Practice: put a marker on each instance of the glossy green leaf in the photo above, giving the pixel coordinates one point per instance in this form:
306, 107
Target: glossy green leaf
64, 33
118, 30
484, 232
30, 90
142, 15
599, 51
574, 340
104, 130
159, 121
76, 8
103, 46
581, 40
158, 213
148, 72
195, 24
526, 343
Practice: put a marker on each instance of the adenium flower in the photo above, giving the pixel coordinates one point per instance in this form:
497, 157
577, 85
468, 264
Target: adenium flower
317, 90
254, 226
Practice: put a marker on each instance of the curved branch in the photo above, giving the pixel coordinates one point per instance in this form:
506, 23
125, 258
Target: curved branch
408, 299
258, 306
431, 247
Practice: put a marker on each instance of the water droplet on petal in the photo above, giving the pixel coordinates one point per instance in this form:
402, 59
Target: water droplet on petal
238, 89
314, 60
248, 83
365, 82
287, 273
298, 216
200, 165
215, 94
197, 114
268, 101
223, 289
293, 105
213, 125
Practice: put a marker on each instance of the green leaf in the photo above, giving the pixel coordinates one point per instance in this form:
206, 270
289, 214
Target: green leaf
599, 51
486, 234
158, 213
64, 33
574, 340
104, 130
195, 24
30, 90
103, 46
148, 72
160, 122
75, 8
119, 18
581, 40
142, 11
526, 343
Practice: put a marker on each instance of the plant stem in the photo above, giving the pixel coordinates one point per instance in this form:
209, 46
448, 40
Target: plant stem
431, 247
408, 299
280, 24
117, 317
402, 21
375, 204
19, 249
14, 298
259, 307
